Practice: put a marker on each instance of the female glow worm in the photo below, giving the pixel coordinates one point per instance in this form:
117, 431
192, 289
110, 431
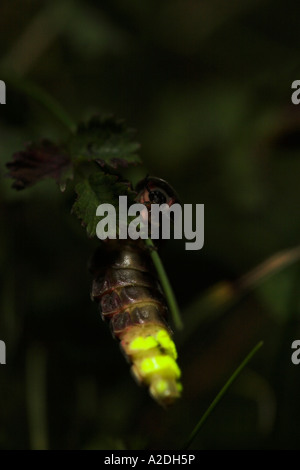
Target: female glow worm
131, 300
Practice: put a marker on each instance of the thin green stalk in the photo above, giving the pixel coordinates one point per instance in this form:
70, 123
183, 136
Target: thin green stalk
171, 300
36, 397
45, 99
220, 395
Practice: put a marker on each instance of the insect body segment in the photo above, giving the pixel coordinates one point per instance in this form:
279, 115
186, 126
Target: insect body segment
131, 300
153, 355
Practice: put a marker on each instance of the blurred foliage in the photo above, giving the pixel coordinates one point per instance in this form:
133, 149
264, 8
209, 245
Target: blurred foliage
207, 85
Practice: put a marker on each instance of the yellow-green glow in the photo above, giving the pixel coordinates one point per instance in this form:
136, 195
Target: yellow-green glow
165, 364
143, 344
161, 387
165, 341
153, 355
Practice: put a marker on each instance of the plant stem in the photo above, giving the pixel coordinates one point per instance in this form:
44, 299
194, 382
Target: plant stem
171, 300
44, 98
220, 395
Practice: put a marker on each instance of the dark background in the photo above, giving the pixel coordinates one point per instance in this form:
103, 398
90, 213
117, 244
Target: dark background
207, 85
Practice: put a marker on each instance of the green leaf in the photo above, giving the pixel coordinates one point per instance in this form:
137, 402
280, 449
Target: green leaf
104, 140
40, 160
107, 141
95, 189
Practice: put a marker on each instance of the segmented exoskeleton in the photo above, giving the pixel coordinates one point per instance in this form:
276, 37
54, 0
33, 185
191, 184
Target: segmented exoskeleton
130, 297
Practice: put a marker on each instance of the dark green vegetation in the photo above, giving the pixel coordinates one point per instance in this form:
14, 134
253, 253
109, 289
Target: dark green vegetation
207, 86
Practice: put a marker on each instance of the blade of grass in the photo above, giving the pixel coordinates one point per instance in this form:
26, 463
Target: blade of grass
36, 397
220, 395
171, 299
